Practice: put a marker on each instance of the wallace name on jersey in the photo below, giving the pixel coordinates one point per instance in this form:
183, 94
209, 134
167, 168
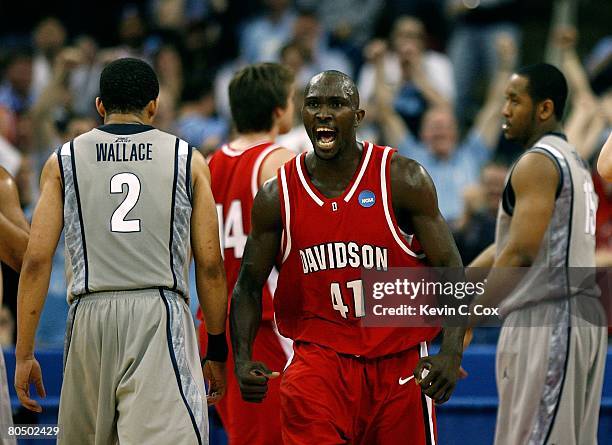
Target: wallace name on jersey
338, 255
122, 152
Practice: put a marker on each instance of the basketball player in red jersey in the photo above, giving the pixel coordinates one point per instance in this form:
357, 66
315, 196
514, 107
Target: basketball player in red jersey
346, 205
261, 100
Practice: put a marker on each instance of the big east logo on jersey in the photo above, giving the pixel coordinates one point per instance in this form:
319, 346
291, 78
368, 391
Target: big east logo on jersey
367, 198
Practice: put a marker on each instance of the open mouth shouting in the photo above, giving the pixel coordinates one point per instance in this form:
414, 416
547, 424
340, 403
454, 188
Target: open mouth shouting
325, 136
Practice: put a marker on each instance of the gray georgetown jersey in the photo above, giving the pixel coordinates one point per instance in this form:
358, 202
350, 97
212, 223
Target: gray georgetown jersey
127, 210
569, 240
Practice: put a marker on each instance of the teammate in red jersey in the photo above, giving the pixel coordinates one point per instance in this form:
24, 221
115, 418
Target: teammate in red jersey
344, 206
261, 100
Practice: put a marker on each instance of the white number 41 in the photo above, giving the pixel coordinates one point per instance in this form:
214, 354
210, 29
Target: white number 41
356, 287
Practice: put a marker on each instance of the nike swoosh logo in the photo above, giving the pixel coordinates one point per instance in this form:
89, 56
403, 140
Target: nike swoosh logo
406, 380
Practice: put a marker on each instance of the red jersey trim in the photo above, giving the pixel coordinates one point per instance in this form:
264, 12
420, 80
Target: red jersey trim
385, 168
256, 167
286, 236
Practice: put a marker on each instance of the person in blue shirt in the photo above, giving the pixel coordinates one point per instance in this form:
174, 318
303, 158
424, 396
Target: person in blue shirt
452, 164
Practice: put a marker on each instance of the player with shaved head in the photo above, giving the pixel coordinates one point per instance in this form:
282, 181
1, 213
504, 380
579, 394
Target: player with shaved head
344, 199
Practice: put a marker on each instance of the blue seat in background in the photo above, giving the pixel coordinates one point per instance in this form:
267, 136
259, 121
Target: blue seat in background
467, 418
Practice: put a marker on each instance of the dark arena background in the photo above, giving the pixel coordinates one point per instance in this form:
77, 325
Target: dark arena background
405, 56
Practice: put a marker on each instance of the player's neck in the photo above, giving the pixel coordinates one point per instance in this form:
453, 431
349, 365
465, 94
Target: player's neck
553, 127
343, 166
248, 140
128, 118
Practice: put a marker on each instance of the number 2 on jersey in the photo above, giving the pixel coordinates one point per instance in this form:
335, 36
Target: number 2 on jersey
356, 288
118, 223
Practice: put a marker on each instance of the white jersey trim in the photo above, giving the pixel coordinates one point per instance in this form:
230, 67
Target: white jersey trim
383, 188
298, 162
257, 166
183, 148
228, 151
287, 230
552, 149
368, 155
65, 151
285, 343
425, 353
225, 148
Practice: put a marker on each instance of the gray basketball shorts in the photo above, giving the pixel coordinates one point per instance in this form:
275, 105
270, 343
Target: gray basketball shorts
132, 372
550, 368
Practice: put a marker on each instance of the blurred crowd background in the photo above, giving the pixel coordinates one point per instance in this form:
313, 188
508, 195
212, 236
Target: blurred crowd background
431, 76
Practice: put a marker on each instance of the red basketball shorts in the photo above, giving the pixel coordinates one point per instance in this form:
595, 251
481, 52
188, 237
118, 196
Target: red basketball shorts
254, 423
329, 398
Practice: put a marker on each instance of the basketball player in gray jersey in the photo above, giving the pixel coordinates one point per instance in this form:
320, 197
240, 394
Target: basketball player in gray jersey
134, 203
552, 346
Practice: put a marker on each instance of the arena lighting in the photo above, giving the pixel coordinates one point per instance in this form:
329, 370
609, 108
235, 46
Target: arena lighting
471, 4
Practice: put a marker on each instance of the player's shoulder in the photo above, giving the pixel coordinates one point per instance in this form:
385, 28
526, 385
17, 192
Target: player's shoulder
269, 191
199, 166
407, 172
535, 170
278, 157
535, 163
4, 175
7, 183
281, 154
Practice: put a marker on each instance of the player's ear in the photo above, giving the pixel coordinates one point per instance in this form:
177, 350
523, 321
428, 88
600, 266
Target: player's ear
277, 113
100, 108
546, 109
359, 114
151, 108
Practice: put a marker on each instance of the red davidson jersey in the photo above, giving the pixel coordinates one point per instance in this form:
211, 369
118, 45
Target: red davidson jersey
326, 242
235, 181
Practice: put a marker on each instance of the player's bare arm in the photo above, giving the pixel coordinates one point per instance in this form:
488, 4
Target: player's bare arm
273, 162
534, 180
477, 271
415, 205
259, 257
604, 162
210, 275
484, 258
209, 270
14, 228
47, 224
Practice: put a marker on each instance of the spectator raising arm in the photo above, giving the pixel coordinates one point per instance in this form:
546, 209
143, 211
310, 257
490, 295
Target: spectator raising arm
487, 123
585, 122
55, 93
393, 128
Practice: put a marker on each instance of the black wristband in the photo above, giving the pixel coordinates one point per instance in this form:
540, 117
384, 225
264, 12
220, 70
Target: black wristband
217, 348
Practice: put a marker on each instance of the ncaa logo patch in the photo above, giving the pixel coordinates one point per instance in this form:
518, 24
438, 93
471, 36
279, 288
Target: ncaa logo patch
367, 199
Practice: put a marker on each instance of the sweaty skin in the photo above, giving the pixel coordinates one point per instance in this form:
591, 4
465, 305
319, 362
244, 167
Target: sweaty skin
331, 107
